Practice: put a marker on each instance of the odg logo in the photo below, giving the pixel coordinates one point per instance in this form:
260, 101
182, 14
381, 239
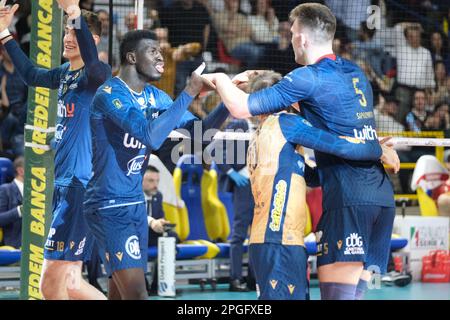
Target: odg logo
132, 247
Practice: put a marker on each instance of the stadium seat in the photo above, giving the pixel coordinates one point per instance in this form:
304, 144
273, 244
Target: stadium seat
9, 255
6, 170
187, 180
426, 204
214, 211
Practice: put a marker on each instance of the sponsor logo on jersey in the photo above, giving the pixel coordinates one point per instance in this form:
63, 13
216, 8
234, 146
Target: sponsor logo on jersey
131, 142
107, 89
339, 244
353, 245
72, 244
352, 140
107, 256
66, 110
155, 115
367, 133
132, 247
291, 289
319, 236
119, 255
152, 100
81, 247
51, 233
59, 131
278, 206
73, 86
307, 122
134, 166
117, 103
273, 284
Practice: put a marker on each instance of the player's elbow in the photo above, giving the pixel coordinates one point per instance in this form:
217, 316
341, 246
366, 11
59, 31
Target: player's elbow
238, 111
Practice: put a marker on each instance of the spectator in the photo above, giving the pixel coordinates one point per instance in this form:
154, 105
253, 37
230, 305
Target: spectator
234, 30
130, 21
350, 13
171, 57
415, 119
219, 6
186, 15
11, 195
439, 120
87, 5
16, 90
385, 115
263, 21
414, 66
439, 49
279, 56
371, 49
234, 178
441, 92
156, 221
103, 46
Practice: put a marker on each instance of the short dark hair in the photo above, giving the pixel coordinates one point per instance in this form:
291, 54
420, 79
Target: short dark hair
93, 22
151, 168
131, 40
318, 18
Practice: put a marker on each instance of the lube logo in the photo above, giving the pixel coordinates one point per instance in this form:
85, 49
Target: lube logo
367, 133
134, 166
132, 247
131, 142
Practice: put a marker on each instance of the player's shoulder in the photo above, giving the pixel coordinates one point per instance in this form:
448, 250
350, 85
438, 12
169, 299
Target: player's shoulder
290, 119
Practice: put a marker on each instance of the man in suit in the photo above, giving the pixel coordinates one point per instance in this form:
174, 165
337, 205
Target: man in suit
11, 195
234, 178
155, 216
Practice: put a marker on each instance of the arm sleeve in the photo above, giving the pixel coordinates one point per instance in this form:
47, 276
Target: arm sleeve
150, 132
299, 131
295, 86
31, 75
97, 71
213, 121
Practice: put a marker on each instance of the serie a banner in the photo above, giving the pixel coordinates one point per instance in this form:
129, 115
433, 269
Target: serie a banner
45, 52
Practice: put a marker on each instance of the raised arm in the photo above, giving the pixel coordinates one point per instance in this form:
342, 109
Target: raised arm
29, 73
298, 130
294, 87
150, 132
97, 71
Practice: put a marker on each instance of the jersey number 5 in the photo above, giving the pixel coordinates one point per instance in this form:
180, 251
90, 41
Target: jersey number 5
362, 101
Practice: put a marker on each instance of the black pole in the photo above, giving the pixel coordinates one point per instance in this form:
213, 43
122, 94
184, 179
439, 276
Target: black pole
111, 33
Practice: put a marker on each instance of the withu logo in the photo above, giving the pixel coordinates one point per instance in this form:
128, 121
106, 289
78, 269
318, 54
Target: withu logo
134, 166
131, 142
66, 111
367, 133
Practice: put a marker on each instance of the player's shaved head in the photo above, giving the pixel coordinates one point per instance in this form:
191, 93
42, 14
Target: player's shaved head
317, 18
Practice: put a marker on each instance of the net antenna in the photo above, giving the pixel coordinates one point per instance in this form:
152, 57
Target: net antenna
139, 13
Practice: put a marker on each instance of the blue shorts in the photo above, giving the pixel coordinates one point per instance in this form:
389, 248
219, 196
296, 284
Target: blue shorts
280, 271
69, 238
121, 234
358, 233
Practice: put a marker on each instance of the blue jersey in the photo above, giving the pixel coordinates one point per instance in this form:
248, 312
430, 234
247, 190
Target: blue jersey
335, 96
76, 89
278, 172
126, 126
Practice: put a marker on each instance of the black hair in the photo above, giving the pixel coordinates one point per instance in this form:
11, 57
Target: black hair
131, 40
151, 168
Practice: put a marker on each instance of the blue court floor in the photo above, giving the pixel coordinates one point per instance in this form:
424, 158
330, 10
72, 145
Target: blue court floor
414, 291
